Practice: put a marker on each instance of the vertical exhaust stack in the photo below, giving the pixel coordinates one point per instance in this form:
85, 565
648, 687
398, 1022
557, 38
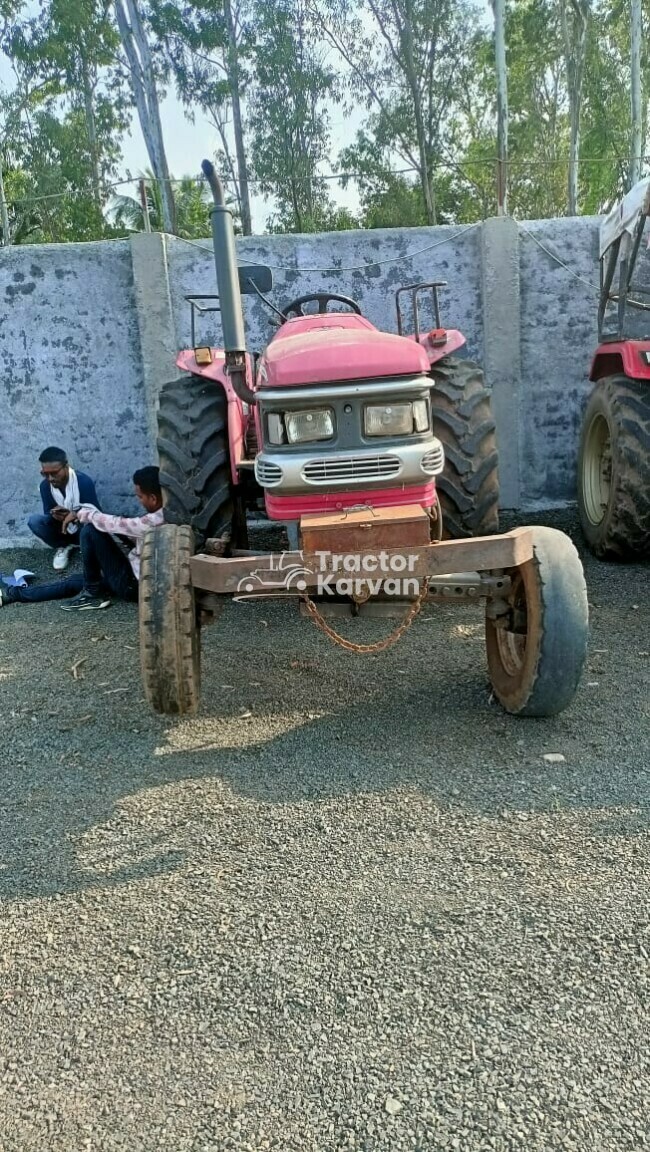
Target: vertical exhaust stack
230, 303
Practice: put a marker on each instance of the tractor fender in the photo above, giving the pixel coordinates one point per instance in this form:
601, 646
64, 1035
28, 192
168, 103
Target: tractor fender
441, 342
627, 357
238, 419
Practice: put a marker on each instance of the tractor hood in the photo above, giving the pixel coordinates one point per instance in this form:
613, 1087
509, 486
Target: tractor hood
336, 346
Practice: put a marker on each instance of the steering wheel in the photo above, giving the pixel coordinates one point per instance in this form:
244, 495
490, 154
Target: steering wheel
322, 299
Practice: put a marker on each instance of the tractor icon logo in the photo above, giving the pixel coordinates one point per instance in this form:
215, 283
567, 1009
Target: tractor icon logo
289, 579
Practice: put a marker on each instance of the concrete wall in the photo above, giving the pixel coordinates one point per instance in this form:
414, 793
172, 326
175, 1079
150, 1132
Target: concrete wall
559, 334
88, 333
70, 371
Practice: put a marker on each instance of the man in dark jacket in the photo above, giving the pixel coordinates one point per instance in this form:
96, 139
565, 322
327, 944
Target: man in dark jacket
62, 491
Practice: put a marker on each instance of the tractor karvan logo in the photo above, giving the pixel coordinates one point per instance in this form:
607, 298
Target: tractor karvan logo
336, 574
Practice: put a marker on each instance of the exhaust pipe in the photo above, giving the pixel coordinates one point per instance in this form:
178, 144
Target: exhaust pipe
230, 304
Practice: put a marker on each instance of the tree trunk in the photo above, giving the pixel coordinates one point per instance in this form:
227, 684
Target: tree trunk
502, 105
411, 75
136, 47
574, 157
91, 128
4, 214
637, 123
575, 38
215, 117
234, 81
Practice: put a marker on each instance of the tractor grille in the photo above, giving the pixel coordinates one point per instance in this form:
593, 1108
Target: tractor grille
328, 470
434, 461
267, 473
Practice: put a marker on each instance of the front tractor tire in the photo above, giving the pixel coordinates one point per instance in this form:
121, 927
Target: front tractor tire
614, 468
194, 456
468, 488
170, 641
536, 650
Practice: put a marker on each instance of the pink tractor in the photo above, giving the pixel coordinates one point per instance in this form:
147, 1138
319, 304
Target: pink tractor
614, 457
377, 453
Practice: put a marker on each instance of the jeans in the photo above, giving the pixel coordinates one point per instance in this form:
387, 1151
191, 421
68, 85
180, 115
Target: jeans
47, 529
54, 590
105, 565
105, 568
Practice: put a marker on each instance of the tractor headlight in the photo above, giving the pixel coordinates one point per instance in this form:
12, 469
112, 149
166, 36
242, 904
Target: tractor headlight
396, 419
316, 424
421, 416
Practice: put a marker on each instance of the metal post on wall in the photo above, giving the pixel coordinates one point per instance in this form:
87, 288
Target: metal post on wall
145, 205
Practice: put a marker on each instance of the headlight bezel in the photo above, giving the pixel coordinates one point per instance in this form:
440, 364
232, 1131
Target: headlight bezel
414, 412
281, 426
342, 420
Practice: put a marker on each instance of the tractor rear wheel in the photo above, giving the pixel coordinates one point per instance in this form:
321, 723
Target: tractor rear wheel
462, 419
170, 639
194, 456
614, 468
536, 651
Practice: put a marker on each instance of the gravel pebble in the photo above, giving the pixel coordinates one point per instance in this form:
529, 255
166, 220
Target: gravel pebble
349, 906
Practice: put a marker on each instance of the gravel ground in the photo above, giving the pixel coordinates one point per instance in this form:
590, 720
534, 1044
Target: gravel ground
350, 906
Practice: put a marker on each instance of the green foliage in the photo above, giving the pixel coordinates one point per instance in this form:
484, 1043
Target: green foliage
268, 74
192, 209
294, 87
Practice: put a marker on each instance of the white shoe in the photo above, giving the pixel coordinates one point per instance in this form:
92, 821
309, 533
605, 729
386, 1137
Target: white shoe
61, 559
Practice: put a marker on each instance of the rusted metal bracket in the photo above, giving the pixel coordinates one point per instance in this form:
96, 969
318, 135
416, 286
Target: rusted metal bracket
295, 572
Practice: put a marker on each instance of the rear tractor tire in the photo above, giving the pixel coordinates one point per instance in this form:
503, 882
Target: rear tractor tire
536, 651
614, 468
194, 457
468, 488
170, 639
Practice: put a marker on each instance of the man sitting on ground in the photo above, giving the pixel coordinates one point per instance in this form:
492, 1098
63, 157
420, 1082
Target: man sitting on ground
62, 490
107, 570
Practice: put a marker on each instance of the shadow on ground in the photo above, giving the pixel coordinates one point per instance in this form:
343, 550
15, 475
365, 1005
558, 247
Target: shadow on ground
90, 793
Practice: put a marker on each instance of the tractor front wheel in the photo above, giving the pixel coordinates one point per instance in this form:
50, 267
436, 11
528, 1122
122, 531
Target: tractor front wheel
170, 641
537, 649
462, 419
614, 468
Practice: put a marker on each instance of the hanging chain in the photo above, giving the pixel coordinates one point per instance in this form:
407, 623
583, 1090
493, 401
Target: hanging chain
367, 649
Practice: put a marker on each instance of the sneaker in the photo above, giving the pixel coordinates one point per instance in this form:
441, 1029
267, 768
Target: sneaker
61, 558
86, 602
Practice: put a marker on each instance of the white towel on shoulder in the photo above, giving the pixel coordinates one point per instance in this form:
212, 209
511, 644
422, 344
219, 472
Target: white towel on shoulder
69, 499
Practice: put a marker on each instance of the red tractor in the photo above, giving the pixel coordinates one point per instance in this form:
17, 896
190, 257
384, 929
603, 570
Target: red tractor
614, 459
377, 452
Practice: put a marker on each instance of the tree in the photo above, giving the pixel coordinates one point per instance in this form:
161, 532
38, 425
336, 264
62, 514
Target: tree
192, 205
63, 116
537, 121
410, 61
68, 53
574, 15
393, 199
635, 90
142, 74
205, 45
498, 7
289, 118
45, 140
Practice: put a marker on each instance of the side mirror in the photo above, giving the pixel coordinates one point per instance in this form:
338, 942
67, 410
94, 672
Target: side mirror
254, 276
